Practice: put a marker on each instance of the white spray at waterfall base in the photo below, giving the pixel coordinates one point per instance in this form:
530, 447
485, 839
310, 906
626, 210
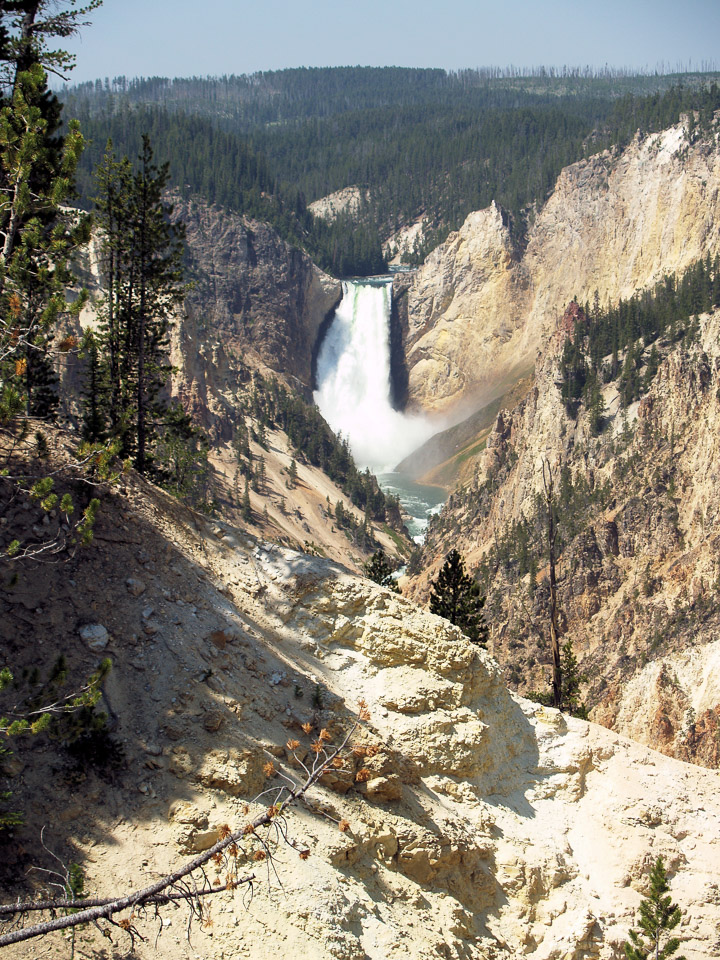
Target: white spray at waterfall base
353, 375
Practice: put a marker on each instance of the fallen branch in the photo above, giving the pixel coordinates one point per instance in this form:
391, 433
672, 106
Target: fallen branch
155, 894
28, 906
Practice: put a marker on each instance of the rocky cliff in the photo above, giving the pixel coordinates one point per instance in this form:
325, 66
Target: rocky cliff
349, 201
638, 510
615, 223
255, 309
254, 296
483, 826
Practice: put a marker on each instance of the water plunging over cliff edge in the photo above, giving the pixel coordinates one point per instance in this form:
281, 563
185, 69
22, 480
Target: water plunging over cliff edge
353, 377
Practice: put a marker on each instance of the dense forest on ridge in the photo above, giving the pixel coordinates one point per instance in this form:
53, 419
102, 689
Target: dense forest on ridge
422, 142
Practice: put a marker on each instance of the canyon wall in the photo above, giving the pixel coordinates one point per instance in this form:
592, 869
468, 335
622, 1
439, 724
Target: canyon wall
615, 223
255, 298
638, 511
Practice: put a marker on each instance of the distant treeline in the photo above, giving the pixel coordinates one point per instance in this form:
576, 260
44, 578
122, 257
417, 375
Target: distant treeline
423, 142
246, 102
222, 168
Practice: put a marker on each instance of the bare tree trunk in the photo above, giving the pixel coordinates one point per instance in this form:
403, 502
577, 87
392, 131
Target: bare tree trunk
554, 631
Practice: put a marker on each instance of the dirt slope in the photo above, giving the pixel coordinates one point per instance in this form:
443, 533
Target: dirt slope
486, 826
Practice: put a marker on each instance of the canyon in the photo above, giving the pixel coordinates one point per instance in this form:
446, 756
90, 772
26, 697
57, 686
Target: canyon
484, 825
481, 313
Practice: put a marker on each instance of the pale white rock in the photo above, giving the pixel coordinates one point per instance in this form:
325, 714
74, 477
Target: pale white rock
484, 827
345, 201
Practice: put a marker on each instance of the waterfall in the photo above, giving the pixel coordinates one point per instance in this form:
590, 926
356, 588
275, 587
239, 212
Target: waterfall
353, 376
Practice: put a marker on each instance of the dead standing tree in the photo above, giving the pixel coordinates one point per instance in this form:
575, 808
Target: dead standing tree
548, 485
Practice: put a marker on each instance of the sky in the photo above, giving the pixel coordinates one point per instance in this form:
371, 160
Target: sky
181, 38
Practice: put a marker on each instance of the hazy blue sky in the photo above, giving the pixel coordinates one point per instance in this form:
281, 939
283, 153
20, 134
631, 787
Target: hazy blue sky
184, 38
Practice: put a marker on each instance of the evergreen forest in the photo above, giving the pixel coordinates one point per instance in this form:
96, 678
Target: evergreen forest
420, 143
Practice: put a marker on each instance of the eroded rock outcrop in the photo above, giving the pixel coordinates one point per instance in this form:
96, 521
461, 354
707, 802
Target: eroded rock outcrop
483, 826
255, 298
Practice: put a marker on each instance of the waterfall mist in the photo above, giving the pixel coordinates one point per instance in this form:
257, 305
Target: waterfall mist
353, 376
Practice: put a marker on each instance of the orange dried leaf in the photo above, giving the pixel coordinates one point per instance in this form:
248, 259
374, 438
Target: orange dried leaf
304, 854
338, 763
371, 751
343, 826
324, 735
292, 744
224, 831
67, 343
217, 858
359, 750
259, 855
362, 775
249, 829
15, 305
20, 367
307, 727
269, 769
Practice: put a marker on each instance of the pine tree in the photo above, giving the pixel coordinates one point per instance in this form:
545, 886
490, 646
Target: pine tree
550, 505
113, 180
36, 163
246, 507
292, 474
181, 457
38, 236
456, 596
142, 257
379, 570
39, 233
93, 424
658, 916
571, 680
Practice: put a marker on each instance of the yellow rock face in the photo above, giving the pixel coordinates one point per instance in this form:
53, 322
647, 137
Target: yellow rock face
615, 223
